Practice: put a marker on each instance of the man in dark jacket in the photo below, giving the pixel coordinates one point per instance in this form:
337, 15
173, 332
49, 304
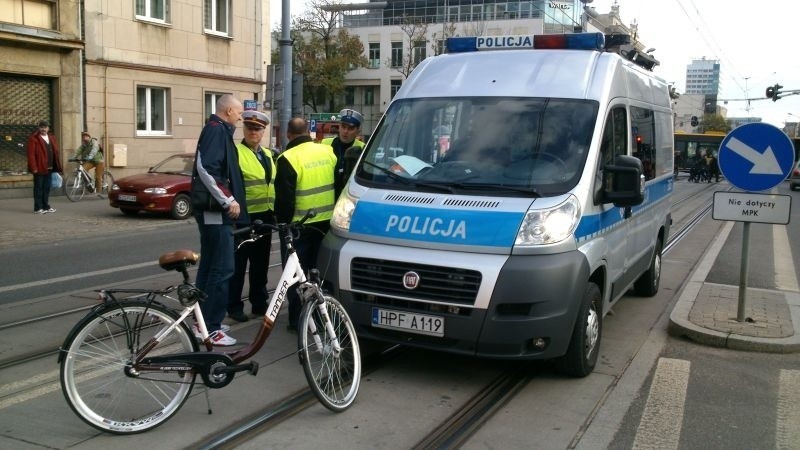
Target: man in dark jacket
218, 201
43, 159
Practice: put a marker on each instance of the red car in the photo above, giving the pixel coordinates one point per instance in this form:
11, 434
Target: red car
163, 189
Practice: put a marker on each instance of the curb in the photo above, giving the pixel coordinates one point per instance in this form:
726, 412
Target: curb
681, 326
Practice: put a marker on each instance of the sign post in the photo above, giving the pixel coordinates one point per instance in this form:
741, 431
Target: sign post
753, 157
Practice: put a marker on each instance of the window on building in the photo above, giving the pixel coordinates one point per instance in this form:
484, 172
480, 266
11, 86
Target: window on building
151, 110
211, 103
349, 95
369, 95
32, 13
397, 54
395, 86
374, 55
217, 17
155, 10
419, 51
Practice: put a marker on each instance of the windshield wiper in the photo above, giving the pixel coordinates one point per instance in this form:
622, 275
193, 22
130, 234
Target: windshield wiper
498, 187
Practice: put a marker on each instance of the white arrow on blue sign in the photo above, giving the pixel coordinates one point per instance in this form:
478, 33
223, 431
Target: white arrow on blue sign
756, 156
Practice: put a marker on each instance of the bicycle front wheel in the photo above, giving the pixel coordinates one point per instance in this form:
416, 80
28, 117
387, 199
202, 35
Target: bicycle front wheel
333, 374
74, 187
95, 368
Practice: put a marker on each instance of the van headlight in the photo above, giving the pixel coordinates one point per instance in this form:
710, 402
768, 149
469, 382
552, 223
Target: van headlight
548, 226
343, 211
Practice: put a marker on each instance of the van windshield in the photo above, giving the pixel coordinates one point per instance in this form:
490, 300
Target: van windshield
481, 145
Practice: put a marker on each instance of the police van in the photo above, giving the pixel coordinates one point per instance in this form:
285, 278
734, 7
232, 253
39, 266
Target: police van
528, 190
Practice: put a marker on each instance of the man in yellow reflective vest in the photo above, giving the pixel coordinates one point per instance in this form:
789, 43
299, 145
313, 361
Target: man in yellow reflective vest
258, 171
304, 182
349, 129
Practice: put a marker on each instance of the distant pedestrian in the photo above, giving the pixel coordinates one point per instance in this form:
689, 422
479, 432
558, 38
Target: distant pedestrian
44, 158
89, 151
713, 167
258, 170
218, 201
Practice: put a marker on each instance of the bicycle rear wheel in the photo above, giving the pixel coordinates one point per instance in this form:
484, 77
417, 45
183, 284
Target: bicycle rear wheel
97, 353
108, 181
74, 186
334, 376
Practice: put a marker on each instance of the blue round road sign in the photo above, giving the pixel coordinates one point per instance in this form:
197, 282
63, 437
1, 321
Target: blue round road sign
756, 157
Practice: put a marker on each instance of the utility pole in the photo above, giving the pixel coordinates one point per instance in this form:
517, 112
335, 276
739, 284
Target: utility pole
286, 60
746, 96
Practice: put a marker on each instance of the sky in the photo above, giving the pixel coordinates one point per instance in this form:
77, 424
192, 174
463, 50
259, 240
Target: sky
756, 42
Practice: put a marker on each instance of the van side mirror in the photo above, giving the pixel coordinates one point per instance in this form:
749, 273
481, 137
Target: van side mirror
623, 182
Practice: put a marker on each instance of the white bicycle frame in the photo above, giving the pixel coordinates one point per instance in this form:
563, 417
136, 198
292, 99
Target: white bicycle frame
292, 273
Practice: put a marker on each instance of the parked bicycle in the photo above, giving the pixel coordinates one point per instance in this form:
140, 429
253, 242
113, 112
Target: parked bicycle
130, 364
80, 182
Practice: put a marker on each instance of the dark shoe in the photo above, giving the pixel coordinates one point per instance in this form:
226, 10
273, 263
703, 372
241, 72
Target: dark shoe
291, 328
239, 316
259, 312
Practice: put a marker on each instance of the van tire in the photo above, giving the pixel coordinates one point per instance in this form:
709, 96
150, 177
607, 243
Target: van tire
584, 345
647, 284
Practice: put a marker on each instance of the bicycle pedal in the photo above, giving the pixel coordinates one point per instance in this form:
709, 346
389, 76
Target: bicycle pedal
253, 368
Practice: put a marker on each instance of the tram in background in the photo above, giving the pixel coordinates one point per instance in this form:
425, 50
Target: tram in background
690, 148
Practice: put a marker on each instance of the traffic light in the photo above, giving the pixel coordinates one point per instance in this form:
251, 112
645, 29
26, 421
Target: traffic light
695, 121
774, 92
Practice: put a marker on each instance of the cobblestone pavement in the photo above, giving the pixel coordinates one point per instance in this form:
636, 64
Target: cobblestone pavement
93, 215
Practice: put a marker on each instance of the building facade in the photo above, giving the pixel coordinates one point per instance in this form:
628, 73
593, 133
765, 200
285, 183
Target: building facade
141, 76
702, 77
399, 34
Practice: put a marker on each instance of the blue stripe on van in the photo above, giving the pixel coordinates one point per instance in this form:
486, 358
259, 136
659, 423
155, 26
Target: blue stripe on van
445, 226
596, 224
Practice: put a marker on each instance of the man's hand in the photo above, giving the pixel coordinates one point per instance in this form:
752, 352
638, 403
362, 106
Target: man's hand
234, 210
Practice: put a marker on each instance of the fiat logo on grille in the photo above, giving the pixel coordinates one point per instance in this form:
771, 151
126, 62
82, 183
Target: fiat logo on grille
410, 280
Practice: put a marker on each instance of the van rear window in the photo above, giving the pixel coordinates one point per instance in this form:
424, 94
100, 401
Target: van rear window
473, 145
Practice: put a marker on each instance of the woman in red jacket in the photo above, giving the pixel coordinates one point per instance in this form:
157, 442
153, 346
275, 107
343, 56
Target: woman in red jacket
43, 159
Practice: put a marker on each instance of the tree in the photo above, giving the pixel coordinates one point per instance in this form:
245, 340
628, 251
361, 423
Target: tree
715, 122
448, 30
324, 52
415, 34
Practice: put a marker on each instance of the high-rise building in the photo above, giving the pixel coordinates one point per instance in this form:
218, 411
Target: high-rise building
702, 77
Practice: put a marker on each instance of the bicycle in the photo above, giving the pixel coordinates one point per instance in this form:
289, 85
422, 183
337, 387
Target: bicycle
79, 182
131, 363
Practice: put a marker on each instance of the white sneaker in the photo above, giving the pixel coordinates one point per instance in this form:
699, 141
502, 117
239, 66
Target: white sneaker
220, 339
198, 335
51, 210
39, 211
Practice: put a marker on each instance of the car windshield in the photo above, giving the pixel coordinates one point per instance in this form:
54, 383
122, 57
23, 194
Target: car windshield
481, 145
178, 164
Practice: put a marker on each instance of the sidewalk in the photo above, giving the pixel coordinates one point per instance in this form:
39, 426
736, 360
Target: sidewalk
707, 312
92, 215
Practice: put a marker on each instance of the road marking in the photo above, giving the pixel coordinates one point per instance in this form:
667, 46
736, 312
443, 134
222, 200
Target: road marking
75, 277
787, 431
785, 273
662, 419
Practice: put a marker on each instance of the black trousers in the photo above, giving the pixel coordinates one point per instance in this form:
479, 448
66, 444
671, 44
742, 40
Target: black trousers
256, 255
41, 191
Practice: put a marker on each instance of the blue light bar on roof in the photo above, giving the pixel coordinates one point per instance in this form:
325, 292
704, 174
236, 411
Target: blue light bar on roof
576, 41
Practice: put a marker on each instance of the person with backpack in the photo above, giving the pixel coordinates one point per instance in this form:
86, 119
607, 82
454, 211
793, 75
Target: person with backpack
91, 154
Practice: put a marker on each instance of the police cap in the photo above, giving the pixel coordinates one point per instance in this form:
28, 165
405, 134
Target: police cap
255, 119
350, 116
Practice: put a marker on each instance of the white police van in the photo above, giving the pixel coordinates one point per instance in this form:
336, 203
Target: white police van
528, 191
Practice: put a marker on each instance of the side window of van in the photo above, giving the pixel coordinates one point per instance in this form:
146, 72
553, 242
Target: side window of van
613, 143
643, 126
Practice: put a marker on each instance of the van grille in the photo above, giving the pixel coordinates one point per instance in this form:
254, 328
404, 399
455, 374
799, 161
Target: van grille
440, 284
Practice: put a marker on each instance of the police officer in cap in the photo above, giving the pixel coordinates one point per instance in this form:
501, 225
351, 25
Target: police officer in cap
258, 170
349, 129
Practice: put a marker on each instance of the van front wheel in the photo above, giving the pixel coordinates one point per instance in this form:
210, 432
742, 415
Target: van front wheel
647, 284
584, 345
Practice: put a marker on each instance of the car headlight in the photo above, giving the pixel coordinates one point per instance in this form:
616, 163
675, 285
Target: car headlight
155, 190
115, 187
343, 212
548, 226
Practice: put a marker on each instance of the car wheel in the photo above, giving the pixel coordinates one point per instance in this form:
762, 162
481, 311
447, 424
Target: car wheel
647, 284
181, 207
129, 212
584, 344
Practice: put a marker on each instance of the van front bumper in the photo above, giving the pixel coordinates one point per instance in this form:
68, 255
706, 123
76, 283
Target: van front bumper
535, 298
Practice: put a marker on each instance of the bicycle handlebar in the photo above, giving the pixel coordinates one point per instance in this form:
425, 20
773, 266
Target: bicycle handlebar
258, 227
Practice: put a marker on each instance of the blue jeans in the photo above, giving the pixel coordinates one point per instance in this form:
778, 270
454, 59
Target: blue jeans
215, 270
